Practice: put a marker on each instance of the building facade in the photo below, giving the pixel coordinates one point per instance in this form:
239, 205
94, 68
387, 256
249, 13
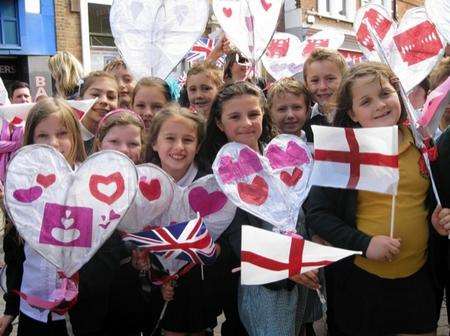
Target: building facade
27, 40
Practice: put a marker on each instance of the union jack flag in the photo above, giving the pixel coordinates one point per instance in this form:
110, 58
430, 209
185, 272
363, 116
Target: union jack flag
189, 241
200, 50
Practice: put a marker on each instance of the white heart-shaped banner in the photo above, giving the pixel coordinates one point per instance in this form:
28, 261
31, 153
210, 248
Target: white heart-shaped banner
417, 48
271, 187
381, 22
67, 215
439, 13
328, 38
153, 36
248, 24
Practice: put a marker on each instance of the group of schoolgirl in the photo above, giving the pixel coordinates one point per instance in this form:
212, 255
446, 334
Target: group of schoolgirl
395, 287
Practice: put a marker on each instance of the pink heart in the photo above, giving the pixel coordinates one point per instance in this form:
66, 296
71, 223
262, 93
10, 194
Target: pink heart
113, 215
292, 156
247, 164
206, 203
28, 195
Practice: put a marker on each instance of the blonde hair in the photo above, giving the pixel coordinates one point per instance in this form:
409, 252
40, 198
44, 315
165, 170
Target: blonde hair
288, 85
45, 108
210, 70
67, 72
169, 111
440, 73
323, 54
114, 64
119, 117
94, 76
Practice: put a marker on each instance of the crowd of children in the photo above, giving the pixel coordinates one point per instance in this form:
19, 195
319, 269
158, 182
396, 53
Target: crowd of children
395, 287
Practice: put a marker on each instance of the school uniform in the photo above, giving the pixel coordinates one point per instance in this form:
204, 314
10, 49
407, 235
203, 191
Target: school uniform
317, 118
367, 297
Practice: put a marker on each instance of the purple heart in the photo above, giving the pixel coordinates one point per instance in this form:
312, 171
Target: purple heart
247, 164
206, 203
28, 195
113, 215
294, 155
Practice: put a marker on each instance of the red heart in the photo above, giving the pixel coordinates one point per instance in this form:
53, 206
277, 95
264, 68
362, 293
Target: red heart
116, 178
227, 11
254, 193
291, 179
46, 180
150, 189
266, 5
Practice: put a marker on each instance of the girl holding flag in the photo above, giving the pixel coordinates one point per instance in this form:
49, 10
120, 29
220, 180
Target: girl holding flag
372, 294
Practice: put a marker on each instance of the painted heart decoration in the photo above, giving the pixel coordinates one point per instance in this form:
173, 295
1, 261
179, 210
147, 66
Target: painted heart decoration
154, 36
249, 24
272, 187
328, 38
417, 48
281, 57
381, 22
439, 13
67, 215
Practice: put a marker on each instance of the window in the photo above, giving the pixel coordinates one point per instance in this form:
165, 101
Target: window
9, 28
99, 28
337, 9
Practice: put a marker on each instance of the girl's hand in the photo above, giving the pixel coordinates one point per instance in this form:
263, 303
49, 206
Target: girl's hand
5, 322
222, 47
319, 240
309, 279
383, 248
441, 220
167, 291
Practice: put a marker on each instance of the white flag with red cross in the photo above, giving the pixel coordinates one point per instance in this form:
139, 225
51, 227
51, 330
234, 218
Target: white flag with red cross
16, 114
269, 256
356, 158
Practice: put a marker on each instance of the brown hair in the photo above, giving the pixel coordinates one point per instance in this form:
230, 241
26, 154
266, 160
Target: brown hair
215, 138
378, 72
94, 76
114, 64
440, 73
322, 54
169, 111
152, 82
119, 117
212, 71
42, 110
288, 85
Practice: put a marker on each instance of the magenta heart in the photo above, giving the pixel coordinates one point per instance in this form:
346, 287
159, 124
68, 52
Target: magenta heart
206, 203
113, 215
293, 155
28, 195
248, 163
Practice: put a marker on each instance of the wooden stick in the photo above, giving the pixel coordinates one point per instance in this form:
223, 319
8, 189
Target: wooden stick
392, 216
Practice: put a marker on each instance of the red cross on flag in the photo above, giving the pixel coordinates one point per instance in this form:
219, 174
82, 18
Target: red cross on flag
269, 256
356, 158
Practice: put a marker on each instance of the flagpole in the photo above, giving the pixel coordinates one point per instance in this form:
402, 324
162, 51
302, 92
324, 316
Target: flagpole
392, 216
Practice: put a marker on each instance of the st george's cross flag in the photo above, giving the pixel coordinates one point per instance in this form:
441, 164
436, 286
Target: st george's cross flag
16, 114
189, 241
356, 158
269, 256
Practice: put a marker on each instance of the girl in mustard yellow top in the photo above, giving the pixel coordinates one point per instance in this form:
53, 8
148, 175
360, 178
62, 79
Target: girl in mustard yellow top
390, 290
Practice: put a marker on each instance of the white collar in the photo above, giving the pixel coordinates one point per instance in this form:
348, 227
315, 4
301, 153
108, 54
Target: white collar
189, 177
316, 110
85, 133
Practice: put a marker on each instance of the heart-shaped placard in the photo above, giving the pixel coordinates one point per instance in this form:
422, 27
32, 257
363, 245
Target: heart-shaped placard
381, 22
328, 38
154, 36
281, 57
417, 48
439, 13
272, 187
67, 215
249, 24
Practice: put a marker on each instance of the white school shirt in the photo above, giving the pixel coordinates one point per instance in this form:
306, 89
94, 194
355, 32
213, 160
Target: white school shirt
39, 279
189, 177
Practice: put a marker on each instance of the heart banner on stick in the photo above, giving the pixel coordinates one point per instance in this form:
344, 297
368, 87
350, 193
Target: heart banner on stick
439, 13
328, 38
4, 100
248, 24
381, 22
271, 187
153, 36
67, 215
417, 48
